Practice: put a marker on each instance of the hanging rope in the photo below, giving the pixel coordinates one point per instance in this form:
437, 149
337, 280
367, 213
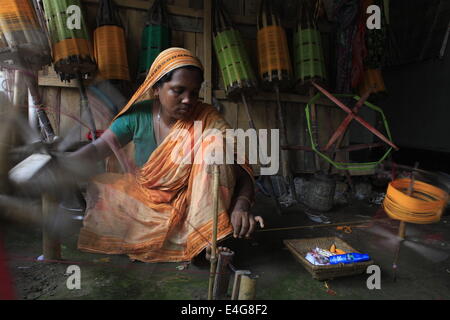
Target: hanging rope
110, 53
425, 205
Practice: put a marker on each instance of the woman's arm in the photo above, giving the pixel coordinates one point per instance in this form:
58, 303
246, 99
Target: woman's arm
245, 190
244, 223
83, 161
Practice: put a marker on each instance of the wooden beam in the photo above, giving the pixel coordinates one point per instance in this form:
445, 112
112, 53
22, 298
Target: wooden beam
285, 97
207, 54
175, 10
145, 5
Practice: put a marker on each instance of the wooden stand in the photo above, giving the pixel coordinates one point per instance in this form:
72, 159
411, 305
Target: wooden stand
51, 244
222, 276
213, 268
237, 282
247, 290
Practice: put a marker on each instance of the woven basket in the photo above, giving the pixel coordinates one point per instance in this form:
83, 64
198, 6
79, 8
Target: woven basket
300, 247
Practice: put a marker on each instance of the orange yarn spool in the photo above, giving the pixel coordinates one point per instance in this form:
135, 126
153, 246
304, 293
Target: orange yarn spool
110, 53
273, 52
373, 80
17, 15
71, 47
425, 205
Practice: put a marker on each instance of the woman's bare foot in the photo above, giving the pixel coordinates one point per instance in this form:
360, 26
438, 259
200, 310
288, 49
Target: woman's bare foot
219, 249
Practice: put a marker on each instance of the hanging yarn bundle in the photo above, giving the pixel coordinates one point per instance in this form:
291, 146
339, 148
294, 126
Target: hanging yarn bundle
373, 81
72, 50
155, 37
234, 63
274, 65
273, 51
375, 43
424, 205
309, 62
109, 43
22, 33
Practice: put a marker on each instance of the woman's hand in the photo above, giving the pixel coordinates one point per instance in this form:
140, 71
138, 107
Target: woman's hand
243, 222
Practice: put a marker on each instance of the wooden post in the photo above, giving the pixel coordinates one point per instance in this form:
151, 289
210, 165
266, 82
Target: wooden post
247, 290
283, 136
5, 131
222, 276
84, 104
20, 101
251, 123
50, 241
402, 227
237, 282
315, 129
207, 55
212, 271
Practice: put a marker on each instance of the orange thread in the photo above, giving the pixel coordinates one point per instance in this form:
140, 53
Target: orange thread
17, 15
273, 50
110, 53
71, 47
425, 205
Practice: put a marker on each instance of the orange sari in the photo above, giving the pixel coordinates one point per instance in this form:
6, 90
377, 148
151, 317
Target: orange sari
164, 212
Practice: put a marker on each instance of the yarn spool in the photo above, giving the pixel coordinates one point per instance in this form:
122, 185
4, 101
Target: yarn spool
274, 66
373, 81
109, 44
21, 33
234, 63
72, 50
155, 36
309, 62
414, 201
273, 51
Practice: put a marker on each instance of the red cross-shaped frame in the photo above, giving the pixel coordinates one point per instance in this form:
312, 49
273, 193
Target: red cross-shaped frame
352, 115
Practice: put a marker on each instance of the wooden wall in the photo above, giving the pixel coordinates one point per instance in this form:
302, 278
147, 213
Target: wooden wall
187, 31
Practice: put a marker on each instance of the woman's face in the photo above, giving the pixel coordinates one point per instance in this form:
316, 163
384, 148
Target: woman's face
179, 96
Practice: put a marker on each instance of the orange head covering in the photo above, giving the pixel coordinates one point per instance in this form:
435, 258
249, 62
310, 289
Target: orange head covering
168, 60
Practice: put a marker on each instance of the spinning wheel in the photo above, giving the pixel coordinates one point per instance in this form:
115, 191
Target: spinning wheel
352, 115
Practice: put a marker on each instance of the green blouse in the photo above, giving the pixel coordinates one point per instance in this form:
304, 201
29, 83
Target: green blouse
137, 125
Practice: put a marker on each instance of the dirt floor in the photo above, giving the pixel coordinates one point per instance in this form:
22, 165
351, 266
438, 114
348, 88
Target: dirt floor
423, 262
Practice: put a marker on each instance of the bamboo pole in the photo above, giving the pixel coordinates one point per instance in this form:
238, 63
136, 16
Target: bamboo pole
315, 128
85, 106
50, 241
402, 226
251, 123
287, 174
20, 101
247, 289
207, 47
222, 275
213, 259
44, 121
237, 282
